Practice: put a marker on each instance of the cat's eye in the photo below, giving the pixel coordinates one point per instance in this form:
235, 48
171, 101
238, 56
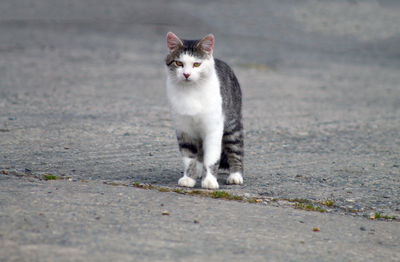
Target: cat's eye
178, 63
196, 64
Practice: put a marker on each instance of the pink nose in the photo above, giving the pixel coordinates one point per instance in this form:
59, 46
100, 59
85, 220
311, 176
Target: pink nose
186, 75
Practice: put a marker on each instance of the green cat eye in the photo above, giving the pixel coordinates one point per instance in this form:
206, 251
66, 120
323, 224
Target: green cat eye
178, 63
196, 64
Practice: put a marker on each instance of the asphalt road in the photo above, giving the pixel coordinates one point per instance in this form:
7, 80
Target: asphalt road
67, 221
82, 95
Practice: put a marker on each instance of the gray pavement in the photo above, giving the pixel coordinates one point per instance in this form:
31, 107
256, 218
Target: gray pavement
67, 221
82, 95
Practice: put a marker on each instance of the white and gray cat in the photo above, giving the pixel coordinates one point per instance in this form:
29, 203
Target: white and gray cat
206, 102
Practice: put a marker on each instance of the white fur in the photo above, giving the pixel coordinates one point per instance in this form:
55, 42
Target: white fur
235, 178
196, 107
188, 68
186, 181
210, 182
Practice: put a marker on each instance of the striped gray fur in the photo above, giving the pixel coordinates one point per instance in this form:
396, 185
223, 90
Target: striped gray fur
232, 140
190, 147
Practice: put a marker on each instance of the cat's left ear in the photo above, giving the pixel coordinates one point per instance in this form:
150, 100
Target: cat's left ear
207, 44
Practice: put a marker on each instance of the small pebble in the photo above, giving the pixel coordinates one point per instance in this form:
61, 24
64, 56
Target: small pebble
165, 213
362, 228
316, 229
196, 221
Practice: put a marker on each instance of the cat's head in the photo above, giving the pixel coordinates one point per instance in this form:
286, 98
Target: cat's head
189, 61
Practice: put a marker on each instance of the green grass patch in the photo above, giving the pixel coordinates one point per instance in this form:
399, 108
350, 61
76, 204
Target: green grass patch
220, 194
179, 191
50, 177
328, 202
198, 193
225, 195
204, 193
214, 194
381, 216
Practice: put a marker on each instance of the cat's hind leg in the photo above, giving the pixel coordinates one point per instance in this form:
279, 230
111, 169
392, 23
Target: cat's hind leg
235, 178
189, 149
233, 149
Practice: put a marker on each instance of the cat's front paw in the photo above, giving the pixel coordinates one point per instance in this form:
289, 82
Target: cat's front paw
210, 182
186, 181
235, 179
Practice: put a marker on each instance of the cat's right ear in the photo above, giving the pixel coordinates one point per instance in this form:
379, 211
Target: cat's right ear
173, 42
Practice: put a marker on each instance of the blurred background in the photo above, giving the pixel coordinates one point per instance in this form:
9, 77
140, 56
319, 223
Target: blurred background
276, 33
82, 92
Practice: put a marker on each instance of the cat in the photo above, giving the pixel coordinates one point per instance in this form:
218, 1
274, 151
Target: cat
206, 105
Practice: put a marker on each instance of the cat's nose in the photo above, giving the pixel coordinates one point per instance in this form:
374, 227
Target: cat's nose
186, 75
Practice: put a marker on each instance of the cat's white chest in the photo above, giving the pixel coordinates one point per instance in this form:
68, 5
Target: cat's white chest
194, 100
188, 102
196, 109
